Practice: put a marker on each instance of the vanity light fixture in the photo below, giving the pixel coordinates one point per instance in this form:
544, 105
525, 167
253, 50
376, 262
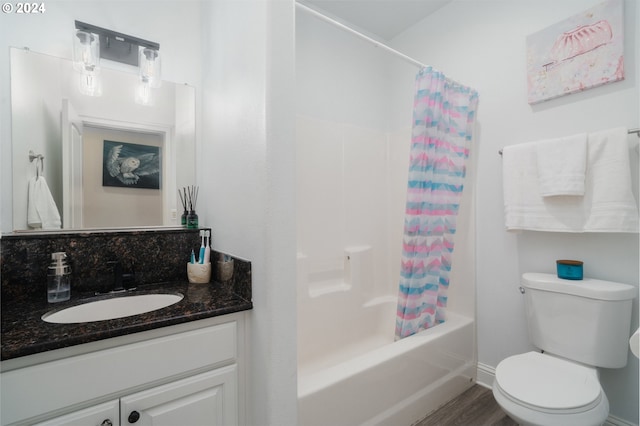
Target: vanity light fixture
150, 67
149, 76
92, 43
86, 52
86, 60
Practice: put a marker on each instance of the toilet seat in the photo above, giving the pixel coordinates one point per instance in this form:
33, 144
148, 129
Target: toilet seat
537, 388
549, 384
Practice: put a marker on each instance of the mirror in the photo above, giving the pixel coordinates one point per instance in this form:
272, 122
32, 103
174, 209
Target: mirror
89, 145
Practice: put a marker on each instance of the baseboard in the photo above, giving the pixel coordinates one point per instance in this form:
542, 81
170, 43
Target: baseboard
617, 421
487, 373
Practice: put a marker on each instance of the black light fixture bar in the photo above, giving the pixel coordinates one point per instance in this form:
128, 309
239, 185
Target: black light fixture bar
116, 46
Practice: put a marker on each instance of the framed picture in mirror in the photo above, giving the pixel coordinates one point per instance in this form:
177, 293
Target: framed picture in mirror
131, 165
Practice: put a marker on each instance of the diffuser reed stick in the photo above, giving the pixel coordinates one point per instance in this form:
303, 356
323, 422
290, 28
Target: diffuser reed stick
189, 198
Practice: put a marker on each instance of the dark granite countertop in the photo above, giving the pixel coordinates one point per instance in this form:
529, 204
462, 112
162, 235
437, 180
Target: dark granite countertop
25, 333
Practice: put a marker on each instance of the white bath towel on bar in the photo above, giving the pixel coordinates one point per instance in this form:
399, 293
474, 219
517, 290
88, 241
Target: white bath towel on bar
562, 165
524, 207
42, 212
608, 204
609, 201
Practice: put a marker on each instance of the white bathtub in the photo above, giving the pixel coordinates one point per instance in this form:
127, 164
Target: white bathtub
350, 370
376, 381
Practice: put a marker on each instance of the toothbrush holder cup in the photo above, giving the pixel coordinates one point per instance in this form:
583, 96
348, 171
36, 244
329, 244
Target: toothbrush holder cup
199, 273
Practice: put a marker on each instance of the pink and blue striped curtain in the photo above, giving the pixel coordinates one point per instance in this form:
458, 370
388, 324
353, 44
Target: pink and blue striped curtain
444, 113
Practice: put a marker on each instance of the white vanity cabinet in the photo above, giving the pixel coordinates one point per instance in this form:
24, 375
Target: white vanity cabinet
204, 399
182, 378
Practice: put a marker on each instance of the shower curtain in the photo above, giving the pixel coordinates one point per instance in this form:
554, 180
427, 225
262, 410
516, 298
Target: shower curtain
443, 117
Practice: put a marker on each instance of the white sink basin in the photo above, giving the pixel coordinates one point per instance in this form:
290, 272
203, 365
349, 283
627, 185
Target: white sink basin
107, 309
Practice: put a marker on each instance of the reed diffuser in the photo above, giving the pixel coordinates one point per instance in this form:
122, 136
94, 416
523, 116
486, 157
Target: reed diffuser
189, 199
183, 201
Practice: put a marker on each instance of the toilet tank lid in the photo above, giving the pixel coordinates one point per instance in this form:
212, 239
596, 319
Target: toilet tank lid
588, 287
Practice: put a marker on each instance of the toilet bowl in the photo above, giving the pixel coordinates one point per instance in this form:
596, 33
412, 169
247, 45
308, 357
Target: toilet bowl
544, 390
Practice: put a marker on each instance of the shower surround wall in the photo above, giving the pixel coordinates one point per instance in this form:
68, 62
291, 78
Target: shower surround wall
352, 169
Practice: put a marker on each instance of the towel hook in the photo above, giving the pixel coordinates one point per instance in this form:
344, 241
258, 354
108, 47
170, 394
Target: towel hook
39, 159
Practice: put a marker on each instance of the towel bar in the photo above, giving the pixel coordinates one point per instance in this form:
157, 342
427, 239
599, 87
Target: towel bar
631, 131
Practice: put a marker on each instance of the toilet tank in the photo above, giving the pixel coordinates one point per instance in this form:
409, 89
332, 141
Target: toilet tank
583, 320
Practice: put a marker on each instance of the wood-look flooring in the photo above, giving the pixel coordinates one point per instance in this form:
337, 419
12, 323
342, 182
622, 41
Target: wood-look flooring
474, 407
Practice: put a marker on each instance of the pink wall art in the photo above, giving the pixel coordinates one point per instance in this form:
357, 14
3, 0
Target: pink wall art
576, 54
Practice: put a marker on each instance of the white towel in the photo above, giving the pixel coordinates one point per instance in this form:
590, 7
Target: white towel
562, 165
524, 207
608, 204
42, 212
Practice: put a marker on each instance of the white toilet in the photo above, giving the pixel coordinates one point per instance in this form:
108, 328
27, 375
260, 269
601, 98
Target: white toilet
578, 326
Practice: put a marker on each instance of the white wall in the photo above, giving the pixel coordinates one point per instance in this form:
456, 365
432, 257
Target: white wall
248, 170
482, 44
340, 77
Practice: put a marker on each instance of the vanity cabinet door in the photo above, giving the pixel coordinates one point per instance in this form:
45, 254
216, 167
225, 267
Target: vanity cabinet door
205, 399
106, 414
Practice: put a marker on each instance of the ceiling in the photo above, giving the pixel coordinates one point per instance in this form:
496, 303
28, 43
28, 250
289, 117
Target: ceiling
382, 18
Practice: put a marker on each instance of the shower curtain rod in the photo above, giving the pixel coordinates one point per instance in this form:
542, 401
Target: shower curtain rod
348, 29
